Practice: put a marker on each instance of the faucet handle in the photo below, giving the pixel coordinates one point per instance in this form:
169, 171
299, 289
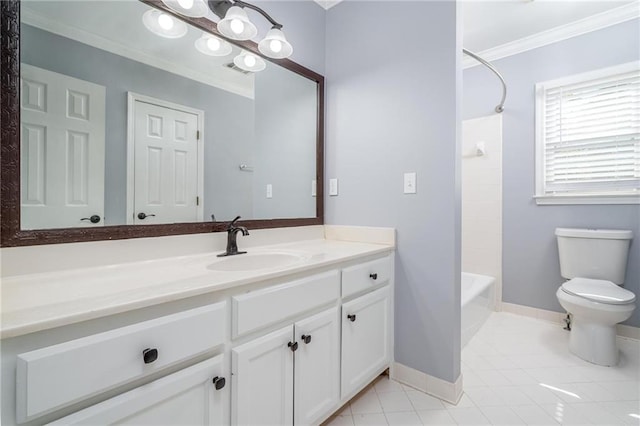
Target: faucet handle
233, 223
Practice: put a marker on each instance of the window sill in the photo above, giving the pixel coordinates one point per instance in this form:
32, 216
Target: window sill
542, 200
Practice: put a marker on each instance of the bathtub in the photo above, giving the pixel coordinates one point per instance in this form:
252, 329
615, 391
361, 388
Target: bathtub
477, 297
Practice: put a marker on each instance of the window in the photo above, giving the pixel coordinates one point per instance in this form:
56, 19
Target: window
588, 138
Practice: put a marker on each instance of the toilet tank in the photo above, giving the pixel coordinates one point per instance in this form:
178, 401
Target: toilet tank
594, 253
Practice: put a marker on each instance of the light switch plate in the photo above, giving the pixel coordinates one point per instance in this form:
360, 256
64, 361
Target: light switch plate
410, 183
269, 190
333, 186
314, 188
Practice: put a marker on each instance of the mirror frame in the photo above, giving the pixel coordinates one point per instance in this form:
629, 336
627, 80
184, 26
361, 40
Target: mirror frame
10, 233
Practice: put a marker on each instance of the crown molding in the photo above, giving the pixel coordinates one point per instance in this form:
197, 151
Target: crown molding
592, 23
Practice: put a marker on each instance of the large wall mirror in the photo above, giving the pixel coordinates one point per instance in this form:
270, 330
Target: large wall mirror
122, 132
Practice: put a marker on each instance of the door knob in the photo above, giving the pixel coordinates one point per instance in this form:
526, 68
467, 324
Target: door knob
306, 338
352, 317
373, 276
150, 355
219, 382
93, 219
143, 215
293, 346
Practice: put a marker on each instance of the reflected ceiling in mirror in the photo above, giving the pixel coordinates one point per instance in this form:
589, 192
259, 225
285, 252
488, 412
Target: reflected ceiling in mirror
122, 126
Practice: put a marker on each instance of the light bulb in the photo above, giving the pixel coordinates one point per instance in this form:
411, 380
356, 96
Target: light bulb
250, 61
186, 4
213, 44
275, 46
165, 21
237, 26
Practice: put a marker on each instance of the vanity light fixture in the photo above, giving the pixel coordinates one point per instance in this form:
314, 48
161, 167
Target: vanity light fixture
235, 25
249, 62
163, 24
191, 8
212, 45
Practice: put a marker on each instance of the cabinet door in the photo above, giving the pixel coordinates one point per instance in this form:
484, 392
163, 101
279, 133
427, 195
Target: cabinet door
365, 339
317, 369
263, 380
188, 397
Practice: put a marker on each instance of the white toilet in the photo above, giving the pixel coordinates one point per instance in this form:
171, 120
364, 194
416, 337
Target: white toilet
595, 262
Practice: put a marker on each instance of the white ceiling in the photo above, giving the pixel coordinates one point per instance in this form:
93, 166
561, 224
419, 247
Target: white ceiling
487, 24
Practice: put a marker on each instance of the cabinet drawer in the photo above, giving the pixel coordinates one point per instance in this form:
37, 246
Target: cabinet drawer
50, 378
261, 308
365, 276
188, 397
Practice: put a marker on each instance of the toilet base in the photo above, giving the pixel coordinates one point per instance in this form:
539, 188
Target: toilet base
595, 343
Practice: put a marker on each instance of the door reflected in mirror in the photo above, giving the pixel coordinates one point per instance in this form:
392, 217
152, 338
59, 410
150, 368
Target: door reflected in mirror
120, 125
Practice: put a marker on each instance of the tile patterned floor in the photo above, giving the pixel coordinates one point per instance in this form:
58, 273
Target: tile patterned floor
517, 371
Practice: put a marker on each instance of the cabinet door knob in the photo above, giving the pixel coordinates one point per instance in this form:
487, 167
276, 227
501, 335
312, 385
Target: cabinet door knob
373, 276
93, 219
150, 355
219, 382
352, 317
306, 338
293, 346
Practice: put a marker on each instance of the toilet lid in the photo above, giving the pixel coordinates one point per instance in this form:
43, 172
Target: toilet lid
599, 291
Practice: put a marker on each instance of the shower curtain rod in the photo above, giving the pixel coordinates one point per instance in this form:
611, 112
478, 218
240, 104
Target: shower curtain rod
500, 106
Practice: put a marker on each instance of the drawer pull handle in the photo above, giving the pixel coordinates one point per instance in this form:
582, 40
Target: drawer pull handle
373, 276
219, 382
352, 317
150, 355
293, 346
306, 338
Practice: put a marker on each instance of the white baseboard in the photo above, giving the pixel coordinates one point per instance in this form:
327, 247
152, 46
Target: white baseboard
447, 391
626, 331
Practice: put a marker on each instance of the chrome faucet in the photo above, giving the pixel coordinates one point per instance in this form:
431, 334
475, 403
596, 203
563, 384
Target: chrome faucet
232, 233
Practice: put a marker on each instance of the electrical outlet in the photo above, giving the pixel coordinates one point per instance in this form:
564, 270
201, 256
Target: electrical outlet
269, 190
333, 186
314, 188
410, 183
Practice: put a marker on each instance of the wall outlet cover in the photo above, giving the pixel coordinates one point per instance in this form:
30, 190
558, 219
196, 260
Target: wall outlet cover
269, 190
314, 188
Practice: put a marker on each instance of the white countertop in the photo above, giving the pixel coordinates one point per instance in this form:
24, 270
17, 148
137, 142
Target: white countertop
42, 301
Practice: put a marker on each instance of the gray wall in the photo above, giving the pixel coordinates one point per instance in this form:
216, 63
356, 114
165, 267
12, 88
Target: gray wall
392, 108
227, 190
285, 144
531, 273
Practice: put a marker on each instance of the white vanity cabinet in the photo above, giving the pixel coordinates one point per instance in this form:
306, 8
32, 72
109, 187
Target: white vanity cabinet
290, 376
366, 334
287, 350
195, 396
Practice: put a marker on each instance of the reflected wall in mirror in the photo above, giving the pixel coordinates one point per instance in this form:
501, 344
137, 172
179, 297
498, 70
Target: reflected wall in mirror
122, 126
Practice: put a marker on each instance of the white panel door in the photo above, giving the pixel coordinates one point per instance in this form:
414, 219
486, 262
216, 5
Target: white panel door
365, 339
166, 165
62, 136
262, 372
186, 398
317, 367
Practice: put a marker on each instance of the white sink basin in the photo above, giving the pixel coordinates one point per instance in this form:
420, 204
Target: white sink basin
257, 260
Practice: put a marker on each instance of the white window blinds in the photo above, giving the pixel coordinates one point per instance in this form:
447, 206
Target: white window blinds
590, 134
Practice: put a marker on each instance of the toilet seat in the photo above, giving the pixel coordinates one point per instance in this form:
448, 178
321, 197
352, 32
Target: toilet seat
600, 291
